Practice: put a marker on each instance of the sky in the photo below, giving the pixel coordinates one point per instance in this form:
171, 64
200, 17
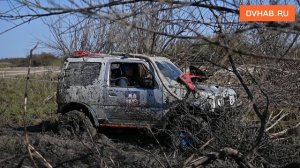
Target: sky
19, 41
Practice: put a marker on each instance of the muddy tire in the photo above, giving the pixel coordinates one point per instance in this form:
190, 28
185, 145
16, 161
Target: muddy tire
76, 124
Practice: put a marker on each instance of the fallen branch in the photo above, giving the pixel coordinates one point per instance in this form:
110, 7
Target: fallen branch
289, 131
49, 97
36, 154
277, 121
207, 143
201, 161
273, 118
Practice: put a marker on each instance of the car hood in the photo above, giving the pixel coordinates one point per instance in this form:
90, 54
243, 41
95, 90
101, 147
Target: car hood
215, 90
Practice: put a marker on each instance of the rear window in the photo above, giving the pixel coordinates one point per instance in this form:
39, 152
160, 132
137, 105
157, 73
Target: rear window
81, 73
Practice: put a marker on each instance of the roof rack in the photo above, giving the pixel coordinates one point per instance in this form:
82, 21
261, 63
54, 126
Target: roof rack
129, 54
80, 53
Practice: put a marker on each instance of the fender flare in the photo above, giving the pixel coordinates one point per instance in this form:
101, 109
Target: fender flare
86, 109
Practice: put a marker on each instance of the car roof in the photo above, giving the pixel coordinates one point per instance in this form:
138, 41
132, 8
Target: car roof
107, 57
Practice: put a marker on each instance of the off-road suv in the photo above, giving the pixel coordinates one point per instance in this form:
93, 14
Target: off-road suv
128, 90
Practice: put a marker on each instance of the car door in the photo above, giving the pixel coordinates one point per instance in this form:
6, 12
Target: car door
135, 103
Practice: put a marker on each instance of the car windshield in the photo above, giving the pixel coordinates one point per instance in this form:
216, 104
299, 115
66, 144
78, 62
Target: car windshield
169, 70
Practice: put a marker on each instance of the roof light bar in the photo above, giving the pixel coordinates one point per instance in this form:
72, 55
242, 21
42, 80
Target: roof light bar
85, 54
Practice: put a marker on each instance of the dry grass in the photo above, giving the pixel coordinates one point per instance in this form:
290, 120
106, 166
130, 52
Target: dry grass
41, 103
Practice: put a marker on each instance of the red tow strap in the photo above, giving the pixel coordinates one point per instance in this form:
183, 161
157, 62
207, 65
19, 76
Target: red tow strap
186, 78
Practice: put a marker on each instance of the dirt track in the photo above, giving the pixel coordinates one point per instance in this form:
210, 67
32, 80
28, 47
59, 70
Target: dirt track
123, 148
15, 71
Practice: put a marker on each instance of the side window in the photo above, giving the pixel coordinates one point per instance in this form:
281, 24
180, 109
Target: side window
81, 73
131, 75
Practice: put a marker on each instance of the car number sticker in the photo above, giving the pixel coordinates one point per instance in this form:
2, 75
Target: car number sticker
132, 98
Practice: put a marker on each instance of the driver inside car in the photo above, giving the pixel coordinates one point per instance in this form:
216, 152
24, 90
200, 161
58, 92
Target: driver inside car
129, 78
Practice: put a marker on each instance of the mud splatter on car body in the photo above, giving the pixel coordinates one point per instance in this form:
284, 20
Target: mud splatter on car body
91, 84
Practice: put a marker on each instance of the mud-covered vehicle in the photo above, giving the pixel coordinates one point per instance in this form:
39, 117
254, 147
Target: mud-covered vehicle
128, 90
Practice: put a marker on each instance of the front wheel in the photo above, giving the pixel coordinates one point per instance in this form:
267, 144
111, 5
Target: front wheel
76, 124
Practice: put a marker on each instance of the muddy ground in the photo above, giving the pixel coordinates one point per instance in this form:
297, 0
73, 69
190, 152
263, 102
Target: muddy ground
112, 148
109, 148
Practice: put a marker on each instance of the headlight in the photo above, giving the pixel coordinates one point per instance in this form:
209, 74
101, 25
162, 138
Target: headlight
232, 100
220, 101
